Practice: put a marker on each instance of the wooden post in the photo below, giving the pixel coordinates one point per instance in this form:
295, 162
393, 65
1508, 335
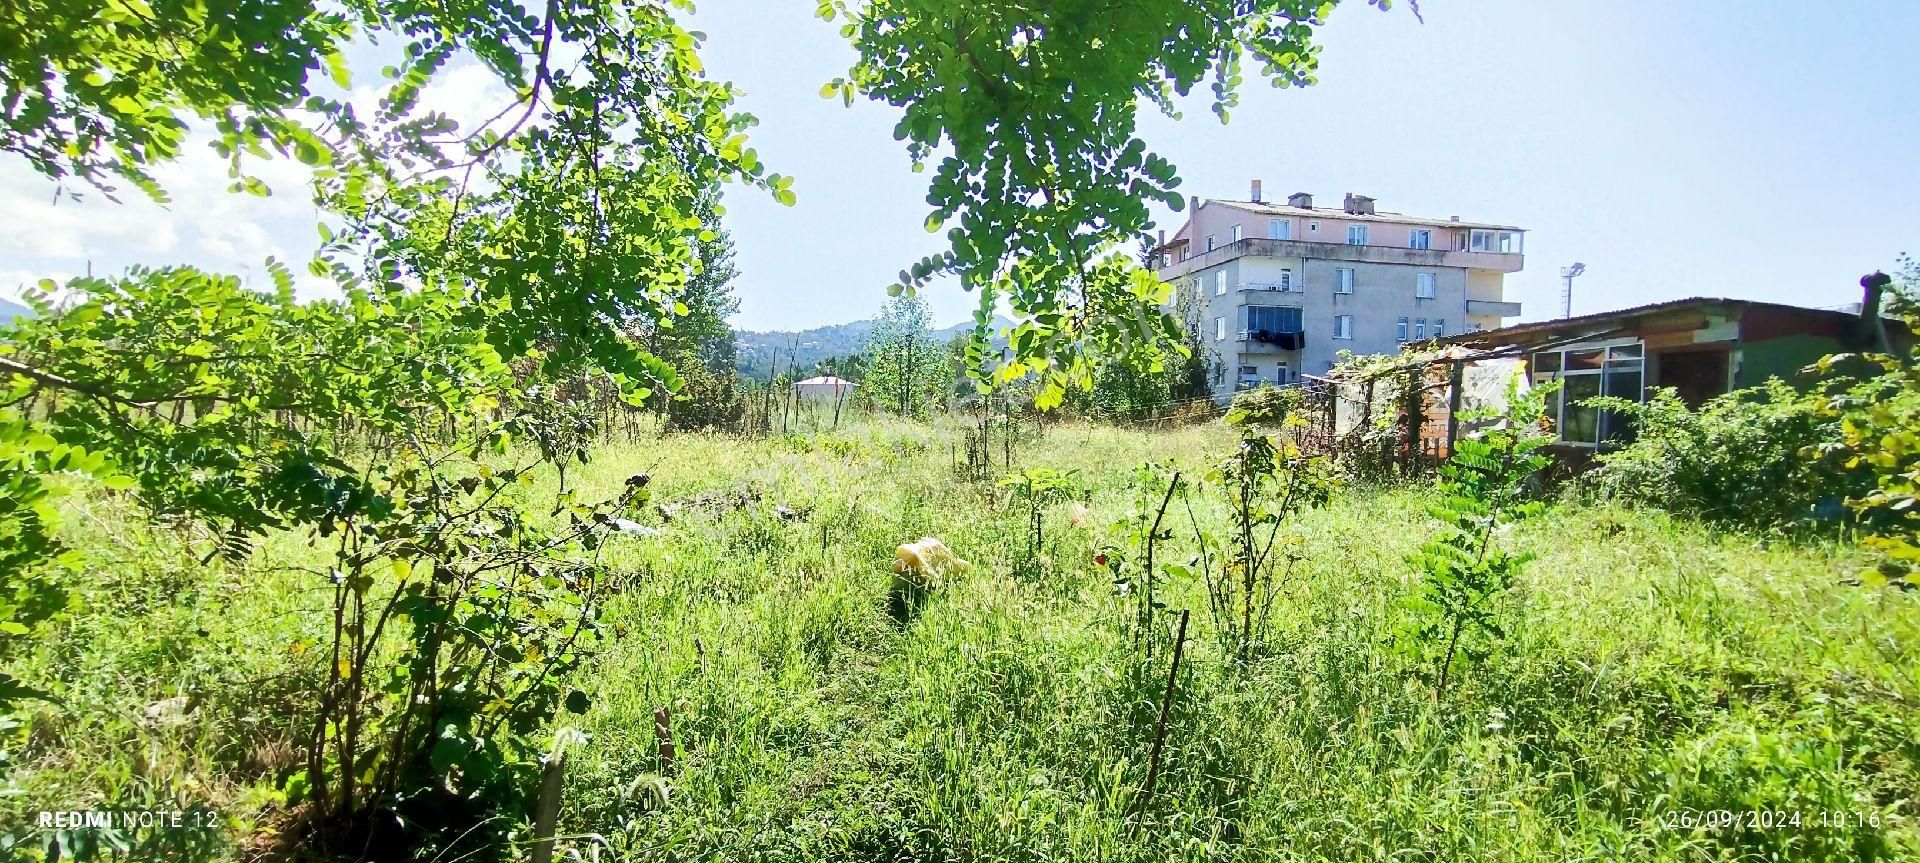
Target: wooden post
1453, 404
547, 813
1166, 707
663, 732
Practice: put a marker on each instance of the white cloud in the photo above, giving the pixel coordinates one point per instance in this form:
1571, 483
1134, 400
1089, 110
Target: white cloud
203, 224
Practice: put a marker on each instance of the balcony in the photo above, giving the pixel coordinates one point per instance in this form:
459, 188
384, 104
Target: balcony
1503, 262
1493, 307
1281, 340
1270, 287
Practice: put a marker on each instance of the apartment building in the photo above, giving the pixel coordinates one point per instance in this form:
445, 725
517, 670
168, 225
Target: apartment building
1279, 289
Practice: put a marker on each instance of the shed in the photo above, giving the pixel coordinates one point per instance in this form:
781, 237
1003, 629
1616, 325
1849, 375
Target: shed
826, 388
1701, 347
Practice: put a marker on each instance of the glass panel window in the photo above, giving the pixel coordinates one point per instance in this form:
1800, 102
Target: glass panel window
1279, 229
1219, 329
1209, 242
1420, 328
1585, 361
1579, 423
1343, 326
1220, 283
1271, 319
1546, 361
1439, 328
1423, 286
1236, 233
1400, 330
1420, 239
1343, 280
1356, 235
1620, 382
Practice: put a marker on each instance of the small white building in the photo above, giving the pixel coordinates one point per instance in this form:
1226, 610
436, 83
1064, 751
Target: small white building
826, 388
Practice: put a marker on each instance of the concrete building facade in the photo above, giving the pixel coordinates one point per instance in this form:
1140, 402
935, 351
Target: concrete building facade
1279, 290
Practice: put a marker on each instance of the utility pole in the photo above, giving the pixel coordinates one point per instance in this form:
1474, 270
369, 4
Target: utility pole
1566, 294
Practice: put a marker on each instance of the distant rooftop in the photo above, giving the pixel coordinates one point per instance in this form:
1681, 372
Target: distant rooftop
1273, 209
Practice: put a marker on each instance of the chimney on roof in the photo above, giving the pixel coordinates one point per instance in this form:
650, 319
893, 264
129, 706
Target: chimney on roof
1256, 191
1358, 205
1875, 284
1453, 218
1300, 199
1193, 204
1163, 239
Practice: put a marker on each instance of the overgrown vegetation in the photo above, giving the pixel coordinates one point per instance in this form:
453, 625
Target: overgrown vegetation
1759, 457
336, 577
1644, 675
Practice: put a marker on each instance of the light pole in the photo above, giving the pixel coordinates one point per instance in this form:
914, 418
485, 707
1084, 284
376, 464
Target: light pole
1566, 295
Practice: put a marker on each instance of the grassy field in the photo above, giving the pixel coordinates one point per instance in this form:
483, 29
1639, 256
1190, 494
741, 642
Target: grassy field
1655, 669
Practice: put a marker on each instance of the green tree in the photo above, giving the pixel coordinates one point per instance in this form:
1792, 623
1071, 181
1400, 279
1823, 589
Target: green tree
906, 364
698, 332
1041, 181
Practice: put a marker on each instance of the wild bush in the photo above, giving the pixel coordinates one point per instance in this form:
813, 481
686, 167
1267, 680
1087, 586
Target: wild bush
709, 400
1755, 457
1264, 482
1458, 611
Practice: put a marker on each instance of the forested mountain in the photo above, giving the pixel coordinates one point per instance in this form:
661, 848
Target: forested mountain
807, 347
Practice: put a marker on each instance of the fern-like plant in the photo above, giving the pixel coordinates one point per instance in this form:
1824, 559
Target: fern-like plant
1457, 612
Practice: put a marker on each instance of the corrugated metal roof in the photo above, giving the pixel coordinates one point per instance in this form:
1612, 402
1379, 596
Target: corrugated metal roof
1634, 311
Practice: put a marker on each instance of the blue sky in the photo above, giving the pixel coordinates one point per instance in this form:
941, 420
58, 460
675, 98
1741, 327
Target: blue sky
1761, 150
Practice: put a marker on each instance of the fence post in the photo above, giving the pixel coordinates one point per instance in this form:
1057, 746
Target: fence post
547, 811
1458, 377
663, 732
1160, 727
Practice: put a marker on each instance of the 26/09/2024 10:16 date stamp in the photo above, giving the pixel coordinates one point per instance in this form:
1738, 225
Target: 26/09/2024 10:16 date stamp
1767, 819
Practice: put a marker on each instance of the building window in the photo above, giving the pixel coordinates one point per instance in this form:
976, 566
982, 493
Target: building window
1312, 227
1279, 229
1236, 233
1269, 323
1219, 329
1400, 330
1356, 235
1586, 372
1184, 252
1504, 242
1439, 328
1421, 239
1249, 376
1209, 242
1286, 280
1220, 283
1343, 326
1423, 286
1283, 374
1343, 280
1420, 328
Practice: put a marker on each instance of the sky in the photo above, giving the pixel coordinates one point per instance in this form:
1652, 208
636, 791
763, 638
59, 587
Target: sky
1763, 150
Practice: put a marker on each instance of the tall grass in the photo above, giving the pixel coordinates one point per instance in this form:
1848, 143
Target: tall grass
1658, 666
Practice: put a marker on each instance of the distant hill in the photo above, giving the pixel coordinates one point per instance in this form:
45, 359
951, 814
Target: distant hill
10, 310
806, 347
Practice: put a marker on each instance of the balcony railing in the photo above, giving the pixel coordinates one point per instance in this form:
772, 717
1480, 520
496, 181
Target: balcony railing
1280, 339
1259, 247
1286, 288
1493, 307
